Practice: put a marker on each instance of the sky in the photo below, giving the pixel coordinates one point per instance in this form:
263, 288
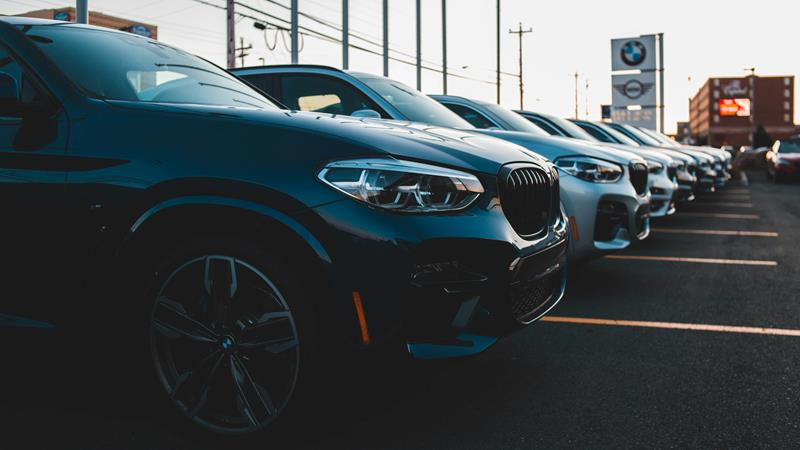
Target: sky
702, 38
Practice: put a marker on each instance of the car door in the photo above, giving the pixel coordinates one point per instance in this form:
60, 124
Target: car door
33, 135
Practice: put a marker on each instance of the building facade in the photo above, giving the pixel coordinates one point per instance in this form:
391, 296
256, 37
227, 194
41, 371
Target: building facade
740, 110
95, 18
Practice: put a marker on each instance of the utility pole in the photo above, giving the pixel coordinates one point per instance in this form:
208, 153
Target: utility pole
82, 11
576, 95
444, 47
520, 32
231, 29
586, 99
386, 38
345, 35
753, 124
498, 52
293, 19
242, 50
419, 45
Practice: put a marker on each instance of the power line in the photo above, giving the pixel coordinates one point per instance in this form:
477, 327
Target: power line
323, 36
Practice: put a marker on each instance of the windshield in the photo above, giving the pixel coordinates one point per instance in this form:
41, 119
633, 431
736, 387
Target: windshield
124, 66
514, 120
414, 105
659, 137
637, 135
619, 137
571, 129
789, 146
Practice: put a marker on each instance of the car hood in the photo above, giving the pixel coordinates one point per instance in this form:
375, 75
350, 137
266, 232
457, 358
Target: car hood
452, 148
556, 147
791, 157
648, 155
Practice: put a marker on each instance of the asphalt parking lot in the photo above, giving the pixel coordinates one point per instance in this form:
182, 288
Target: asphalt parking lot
691, 338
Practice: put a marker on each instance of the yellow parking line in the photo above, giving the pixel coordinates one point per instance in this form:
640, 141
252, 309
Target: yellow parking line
674, 326
735, 262
716, 232
719, 215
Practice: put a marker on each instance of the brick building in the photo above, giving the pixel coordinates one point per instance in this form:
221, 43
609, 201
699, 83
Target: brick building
730, 110
95, 18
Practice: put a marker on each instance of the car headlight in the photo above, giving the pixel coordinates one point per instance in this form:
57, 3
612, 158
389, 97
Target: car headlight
590, 169
402, 185
654, 167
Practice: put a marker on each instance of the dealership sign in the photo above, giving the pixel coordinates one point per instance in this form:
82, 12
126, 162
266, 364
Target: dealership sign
739, 107
634, 89
633, 53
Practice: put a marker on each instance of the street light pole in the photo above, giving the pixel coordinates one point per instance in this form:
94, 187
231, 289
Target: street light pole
231, 33
498, 52
444, 47
345, 34
82, 11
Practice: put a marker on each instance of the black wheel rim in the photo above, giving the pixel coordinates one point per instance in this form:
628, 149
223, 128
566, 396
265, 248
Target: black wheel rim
224, 344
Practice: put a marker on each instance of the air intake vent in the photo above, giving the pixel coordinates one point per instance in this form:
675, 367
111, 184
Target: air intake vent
639, 177
528, 196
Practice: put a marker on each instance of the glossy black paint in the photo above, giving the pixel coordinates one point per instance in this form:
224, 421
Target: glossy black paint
111, 183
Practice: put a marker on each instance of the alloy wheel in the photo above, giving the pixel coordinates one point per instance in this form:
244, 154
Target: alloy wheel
225, 344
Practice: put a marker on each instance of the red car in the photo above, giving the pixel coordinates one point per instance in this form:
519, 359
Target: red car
783, 161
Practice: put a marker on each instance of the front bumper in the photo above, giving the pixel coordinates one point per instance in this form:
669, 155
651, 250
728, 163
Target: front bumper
443, 285
604, 217
663, 193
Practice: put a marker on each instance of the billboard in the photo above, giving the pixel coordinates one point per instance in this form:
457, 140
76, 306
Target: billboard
633, 89
638, 53
739, 107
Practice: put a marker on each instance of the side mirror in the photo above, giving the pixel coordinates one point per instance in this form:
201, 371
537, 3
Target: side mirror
366, 113
9, 96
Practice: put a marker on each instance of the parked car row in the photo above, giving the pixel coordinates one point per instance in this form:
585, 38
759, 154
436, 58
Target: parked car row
239, 237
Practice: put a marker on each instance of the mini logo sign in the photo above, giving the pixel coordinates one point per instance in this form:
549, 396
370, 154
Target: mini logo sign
62, 15
634, 89
633, 53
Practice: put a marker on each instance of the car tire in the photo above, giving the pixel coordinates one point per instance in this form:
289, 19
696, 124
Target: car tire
232, 339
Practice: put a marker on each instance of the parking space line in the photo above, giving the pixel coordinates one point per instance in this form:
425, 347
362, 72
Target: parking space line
727, 204
719, 215
673, 326
716, 232
734, 262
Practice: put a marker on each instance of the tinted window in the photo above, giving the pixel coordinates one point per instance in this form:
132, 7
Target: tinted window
263, 82
28, 91
636, 135
322, 94
596, 133
475, 118
545, 126
414, 105
124, 66
569, 129
789, 146
515, 121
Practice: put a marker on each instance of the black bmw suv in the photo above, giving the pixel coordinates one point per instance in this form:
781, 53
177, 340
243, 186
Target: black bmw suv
149, 193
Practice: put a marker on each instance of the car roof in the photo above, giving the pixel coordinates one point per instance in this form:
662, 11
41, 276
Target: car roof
16, 20
286, 66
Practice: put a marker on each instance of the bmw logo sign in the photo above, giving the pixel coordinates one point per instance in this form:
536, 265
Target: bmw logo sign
633, 53
141, 30
61, 15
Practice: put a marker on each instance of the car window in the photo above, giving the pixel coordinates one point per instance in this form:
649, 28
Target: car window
596, 133
475, 118
545, 126
28, 91
569, 129
618, 136
789, 146
414, 105
513, 120
322, 94
150, 71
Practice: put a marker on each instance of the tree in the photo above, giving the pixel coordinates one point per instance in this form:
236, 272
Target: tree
761, 138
